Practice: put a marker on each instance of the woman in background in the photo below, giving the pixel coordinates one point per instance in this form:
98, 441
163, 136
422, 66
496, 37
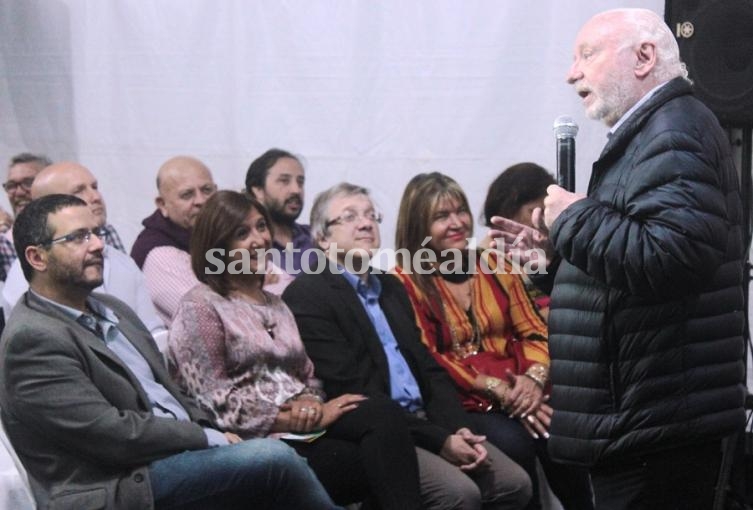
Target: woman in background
480, 324
514, 194
235, 347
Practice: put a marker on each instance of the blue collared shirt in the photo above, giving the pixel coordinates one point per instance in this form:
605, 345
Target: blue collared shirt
104, 323
403, 386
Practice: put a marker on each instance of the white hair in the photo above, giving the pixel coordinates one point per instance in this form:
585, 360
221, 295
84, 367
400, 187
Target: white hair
644, 25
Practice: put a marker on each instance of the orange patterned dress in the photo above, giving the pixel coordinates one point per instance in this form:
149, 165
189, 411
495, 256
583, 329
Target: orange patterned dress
503, 329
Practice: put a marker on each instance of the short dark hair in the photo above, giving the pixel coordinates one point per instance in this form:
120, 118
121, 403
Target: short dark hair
31, 227
28, 157
215, 226
515, 187
257, 172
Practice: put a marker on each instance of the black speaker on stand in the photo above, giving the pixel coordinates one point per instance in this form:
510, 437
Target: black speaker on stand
716, 43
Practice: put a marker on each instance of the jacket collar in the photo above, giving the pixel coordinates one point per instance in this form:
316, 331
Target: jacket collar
349, 300
626, 132
96, 344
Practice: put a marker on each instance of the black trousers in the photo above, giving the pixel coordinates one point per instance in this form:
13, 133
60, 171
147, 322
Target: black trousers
677, 479
367, 455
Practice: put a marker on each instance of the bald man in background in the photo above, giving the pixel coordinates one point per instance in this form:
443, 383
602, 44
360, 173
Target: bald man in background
161, 250
74, 179
122, 278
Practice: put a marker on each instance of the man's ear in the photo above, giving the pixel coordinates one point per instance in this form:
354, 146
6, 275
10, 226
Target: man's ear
258, 193
646, 59
36, 256
160, 203
322, 242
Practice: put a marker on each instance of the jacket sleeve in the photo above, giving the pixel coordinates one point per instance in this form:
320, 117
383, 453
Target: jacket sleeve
441, 399
49, 388
670, 235
340, 358
335, 357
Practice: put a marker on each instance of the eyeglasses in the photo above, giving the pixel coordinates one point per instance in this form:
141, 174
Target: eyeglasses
79, 237
25, 184
350, 216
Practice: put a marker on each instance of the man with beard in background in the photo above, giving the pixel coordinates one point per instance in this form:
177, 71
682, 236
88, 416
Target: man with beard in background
276, 179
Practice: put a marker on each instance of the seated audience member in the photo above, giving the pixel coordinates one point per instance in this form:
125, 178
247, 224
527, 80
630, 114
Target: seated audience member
89, 406
161, 250
514, 194
276, 179
122, 278
237, 350
7, 252
477, 320
358, 328
21, 172
6, 221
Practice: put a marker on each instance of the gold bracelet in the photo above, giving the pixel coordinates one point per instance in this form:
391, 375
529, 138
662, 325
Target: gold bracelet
539, 374
490, 384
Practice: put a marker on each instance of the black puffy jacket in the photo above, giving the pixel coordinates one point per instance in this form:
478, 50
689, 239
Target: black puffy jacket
647, 312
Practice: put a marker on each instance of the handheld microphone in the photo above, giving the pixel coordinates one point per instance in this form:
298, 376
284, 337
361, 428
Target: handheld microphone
565, 130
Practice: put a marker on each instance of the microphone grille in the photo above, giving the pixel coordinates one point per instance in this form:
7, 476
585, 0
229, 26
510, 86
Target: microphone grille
565, 127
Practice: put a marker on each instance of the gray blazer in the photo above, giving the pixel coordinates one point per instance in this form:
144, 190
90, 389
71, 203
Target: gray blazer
76, 415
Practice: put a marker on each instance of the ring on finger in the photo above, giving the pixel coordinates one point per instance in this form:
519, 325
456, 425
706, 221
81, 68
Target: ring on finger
312, 410
304, 410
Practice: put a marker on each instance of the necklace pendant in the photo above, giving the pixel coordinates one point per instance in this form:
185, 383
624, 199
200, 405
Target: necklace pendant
270, 328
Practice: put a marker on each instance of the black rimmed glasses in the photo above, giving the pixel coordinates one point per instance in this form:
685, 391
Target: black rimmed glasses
349, 217
25, 184
79, 237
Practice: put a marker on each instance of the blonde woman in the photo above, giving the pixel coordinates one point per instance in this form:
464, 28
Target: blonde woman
481, 325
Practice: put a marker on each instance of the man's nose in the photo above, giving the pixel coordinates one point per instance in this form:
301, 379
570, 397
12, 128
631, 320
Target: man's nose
93, 196
96, 243
19, 191
363, 223
573, 74
200, 199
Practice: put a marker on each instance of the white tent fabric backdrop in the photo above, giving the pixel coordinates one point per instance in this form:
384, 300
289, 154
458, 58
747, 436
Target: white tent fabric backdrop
369, 92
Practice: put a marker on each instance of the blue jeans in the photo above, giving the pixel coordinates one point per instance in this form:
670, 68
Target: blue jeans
258, 473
